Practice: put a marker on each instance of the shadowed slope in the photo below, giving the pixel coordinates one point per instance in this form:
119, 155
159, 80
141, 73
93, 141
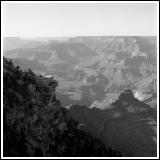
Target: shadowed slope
129, 125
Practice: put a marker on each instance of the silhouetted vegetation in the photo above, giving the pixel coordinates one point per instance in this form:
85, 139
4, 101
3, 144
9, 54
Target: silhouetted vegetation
32, 127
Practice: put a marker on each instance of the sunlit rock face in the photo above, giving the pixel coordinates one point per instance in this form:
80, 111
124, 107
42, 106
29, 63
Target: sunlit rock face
141, 96
106, 103
126, 96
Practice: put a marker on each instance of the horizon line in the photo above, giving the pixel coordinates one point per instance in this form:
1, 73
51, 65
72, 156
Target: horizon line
80, 36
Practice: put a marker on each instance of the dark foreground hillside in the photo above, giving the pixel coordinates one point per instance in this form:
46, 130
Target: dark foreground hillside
35, 125
129, 125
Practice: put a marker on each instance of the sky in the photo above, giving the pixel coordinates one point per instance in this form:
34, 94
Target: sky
79, 19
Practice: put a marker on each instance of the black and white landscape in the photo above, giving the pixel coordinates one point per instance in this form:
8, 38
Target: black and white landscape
80, 96
92, 71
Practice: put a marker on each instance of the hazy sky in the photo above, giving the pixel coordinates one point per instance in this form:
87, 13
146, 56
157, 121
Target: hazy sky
82, 19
